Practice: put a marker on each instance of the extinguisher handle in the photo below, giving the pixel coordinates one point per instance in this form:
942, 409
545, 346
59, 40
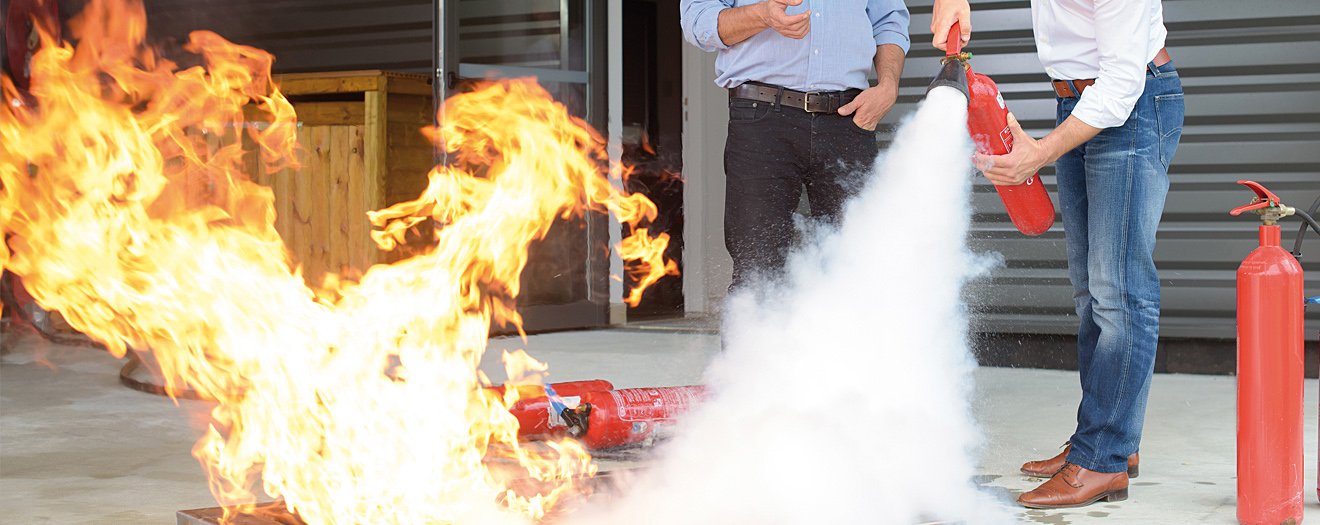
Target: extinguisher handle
1264, 198
953, 44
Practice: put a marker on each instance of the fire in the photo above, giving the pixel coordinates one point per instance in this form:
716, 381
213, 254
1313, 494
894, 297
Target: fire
357, 403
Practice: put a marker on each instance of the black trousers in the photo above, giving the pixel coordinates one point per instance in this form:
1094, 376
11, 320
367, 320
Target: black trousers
771, 154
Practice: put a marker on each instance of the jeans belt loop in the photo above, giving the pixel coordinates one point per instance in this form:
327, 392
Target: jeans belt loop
779, 98
1073, 87
1154, 70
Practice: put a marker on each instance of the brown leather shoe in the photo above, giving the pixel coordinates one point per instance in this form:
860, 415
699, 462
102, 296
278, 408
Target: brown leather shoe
1049, 467
1075, 486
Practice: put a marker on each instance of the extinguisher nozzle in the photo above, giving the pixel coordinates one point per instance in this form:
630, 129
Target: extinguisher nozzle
954, 75
577, 419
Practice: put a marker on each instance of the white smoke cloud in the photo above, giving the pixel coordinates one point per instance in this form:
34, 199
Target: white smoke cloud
842, 396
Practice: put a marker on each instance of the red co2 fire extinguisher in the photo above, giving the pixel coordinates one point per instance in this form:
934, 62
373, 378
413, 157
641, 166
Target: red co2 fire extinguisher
23, 21
1271, 362
604, 420
1028, 204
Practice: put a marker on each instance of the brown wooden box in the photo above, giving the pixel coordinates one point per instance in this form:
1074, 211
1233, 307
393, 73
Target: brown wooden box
360, 150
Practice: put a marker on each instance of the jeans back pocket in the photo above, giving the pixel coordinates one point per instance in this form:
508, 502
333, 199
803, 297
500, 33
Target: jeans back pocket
1169, 112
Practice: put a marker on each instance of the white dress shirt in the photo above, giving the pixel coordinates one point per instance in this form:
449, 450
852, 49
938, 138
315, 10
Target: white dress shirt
1108, 40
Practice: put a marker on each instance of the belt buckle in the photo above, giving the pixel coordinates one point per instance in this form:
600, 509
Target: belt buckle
806, 100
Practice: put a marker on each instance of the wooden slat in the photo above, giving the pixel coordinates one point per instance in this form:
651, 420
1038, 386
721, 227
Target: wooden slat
319, 179
329, 113
299, 204
375, 141
362, 252
337, 242
316, 84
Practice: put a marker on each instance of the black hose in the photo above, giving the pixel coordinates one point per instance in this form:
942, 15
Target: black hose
1308, 218
1309, 221
126, 378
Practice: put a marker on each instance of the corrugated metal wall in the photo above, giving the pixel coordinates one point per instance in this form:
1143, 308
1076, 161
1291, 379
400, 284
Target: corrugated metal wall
310, 35
1251, 71
328, 35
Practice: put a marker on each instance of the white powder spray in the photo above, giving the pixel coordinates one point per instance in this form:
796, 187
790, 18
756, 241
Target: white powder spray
842, 396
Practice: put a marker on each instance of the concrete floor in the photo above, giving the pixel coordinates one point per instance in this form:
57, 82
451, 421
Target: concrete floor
77, 448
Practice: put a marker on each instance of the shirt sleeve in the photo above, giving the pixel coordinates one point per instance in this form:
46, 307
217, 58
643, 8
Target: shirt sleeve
1121, 29
701, 22
889, 22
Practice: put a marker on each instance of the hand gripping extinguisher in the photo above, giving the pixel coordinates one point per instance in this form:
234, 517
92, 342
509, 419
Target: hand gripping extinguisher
1270, 364
1028, 204
617, 418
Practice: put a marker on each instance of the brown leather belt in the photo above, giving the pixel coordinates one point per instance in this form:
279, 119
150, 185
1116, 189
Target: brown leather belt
1063, 89
815, 102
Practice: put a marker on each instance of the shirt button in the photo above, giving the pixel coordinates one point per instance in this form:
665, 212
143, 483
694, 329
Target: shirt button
817, 15
817, 51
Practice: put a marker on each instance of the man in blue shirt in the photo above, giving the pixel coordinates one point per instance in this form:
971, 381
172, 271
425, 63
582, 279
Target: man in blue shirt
802, 111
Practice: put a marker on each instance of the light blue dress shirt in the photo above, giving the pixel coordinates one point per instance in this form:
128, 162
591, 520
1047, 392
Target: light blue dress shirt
838, 52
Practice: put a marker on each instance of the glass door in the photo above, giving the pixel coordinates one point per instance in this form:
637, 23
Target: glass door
561, 44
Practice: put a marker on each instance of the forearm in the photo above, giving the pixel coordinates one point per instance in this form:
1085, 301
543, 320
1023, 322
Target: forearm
740, 23
888, 65
1072, 133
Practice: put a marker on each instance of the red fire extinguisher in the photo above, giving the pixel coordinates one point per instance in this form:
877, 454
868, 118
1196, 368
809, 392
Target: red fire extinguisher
538, 407
1028, 204
1270, 373
604, 420
22, 21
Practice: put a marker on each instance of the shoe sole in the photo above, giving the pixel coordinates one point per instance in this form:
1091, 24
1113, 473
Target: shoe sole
1110, 497
1133, 472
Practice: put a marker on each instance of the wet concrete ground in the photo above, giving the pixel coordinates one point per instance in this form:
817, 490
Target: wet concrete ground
76, 448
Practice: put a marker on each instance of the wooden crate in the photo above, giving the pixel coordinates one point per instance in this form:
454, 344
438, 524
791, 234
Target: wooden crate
360, 150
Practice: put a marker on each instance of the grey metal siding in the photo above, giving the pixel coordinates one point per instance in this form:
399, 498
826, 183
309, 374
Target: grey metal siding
1251, 71
310, 35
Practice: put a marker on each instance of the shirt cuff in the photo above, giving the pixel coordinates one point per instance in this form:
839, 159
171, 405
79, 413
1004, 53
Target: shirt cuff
1100, 111
893, 37
706, 29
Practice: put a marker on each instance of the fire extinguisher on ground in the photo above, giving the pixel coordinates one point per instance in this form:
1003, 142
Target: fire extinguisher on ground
1271, 364
1028, 204
617, 418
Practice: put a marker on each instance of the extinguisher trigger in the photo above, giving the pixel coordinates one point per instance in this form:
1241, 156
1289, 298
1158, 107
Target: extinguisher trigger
1266, 204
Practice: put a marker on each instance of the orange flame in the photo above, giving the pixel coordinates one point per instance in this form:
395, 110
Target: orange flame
361, 403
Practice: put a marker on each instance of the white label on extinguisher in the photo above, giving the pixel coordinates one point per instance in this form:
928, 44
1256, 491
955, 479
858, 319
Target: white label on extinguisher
999, 97
650, 404
554, 410
1006, 136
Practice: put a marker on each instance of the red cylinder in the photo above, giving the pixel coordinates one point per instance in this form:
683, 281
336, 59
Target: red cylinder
1028, 204
626, 417
1270, 377
21, 41
536, 415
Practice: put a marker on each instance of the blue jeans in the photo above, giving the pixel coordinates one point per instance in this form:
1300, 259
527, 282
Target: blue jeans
1112, 191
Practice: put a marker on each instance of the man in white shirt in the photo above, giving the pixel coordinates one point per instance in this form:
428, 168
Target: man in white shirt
1119, 121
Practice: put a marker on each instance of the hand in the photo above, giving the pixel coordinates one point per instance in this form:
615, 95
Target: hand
871, 105
792, 26
1027, 157
946, 13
